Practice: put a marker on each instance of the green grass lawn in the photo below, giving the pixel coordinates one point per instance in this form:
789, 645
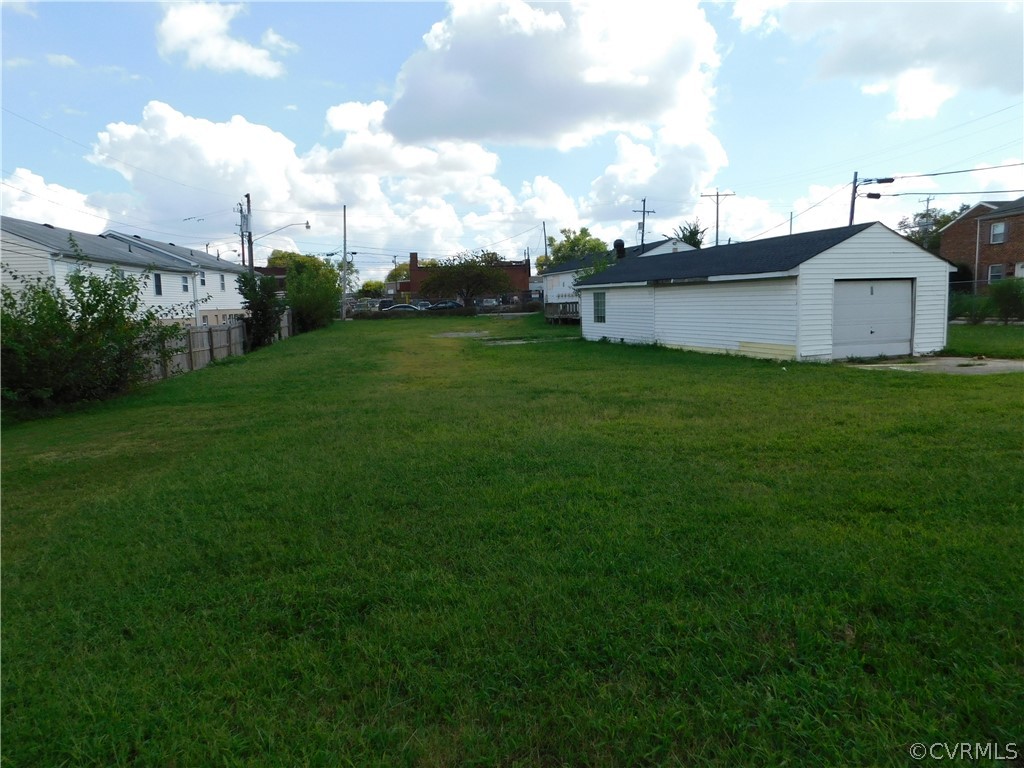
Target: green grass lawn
391, 543
1006, 341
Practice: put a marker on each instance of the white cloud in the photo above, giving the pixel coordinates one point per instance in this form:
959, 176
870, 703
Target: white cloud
273, 40
60, 60
201, 31
28, 196
507, 72
917, 94
962, 45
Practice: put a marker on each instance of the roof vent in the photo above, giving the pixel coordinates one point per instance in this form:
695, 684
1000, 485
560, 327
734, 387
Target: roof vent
49, 225
620, 249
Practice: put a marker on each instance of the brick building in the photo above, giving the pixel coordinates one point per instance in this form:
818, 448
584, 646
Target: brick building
518, 274
988, 239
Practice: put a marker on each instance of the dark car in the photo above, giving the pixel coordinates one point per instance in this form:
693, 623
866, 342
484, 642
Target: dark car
401, 308
444, 305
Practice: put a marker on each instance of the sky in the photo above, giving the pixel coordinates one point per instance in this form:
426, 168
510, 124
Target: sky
446, 128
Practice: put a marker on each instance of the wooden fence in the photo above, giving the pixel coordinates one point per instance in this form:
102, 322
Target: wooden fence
201, 345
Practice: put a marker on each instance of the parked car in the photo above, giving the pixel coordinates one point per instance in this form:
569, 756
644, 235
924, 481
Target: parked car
401, 308
384, 304
423, 304
445, 305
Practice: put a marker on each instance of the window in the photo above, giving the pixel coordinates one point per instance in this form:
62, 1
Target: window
202, 278
222, 282
184, 284
996, 272
998, 232
158, 284
206, 319
599, 302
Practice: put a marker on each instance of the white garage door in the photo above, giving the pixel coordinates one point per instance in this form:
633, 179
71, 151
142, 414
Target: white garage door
872, 318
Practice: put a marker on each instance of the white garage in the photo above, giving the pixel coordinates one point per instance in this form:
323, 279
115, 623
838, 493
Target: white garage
860, 291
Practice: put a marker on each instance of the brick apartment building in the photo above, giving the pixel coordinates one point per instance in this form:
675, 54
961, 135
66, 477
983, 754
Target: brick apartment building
987, 239
518, 274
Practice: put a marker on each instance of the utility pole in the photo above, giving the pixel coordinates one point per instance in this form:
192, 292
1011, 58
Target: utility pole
643, 221
248, 214
544, 228
872, 195
344, 258
243, 225
718, 195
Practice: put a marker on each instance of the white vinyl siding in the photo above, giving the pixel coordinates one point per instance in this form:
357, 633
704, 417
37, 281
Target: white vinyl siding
24, 258
755, 318
629, 315
877, 253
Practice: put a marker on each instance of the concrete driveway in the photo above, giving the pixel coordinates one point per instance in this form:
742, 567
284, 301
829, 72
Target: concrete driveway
966, 366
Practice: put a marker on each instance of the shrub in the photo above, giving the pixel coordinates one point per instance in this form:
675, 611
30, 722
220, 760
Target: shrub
91, 342
974, 309
260, 300
1008, 299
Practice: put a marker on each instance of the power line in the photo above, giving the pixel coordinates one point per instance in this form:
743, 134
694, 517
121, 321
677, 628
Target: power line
934, 194
966, 170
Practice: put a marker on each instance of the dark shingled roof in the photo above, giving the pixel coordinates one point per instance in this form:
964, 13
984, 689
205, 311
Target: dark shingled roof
776, 254
97, 248
202, 258
1008, 208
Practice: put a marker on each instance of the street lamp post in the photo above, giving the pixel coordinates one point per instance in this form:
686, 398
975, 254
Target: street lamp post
872, 195
252, 267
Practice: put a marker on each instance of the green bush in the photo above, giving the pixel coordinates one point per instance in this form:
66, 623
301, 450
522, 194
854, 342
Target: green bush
313, 293
94, 340
264, 307
1008, 299
973, 309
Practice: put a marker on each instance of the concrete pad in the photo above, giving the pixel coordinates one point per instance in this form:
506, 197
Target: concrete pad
965, 366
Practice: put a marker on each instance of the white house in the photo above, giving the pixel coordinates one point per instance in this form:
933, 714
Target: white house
860, 291
198, 290
560, 296
215, 279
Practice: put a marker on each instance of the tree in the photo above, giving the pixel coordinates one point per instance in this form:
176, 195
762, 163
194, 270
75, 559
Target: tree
399, 273
574, 246
313, 286
264, 307
690, 233
372, 289
923, 228
467, 276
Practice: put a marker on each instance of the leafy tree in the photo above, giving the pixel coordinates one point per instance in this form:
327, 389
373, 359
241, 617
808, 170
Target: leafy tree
95, 340
313, 286
574, 245
264, 307
467, 276
923, 228
691, 233
399, 273
372, 289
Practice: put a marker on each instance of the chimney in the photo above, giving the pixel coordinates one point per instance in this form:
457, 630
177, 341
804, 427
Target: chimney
620, 249
414, 262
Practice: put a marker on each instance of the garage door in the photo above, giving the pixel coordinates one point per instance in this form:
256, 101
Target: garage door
872, 318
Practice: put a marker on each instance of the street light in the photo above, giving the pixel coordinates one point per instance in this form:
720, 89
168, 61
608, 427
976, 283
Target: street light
872, 195
252, 263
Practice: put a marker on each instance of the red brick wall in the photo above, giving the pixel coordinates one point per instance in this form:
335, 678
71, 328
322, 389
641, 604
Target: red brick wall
968, 239
518, 273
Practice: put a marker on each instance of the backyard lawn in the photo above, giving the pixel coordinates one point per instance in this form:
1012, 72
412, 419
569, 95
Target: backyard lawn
401, 543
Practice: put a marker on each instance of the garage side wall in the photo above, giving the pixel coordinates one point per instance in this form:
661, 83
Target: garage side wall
876, 253
753, 318
629, 315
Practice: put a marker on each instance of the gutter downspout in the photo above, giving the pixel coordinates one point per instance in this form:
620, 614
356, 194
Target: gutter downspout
977, 254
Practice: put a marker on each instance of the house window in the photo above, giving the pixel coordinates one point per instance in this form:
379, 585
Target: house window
599, 307
996, 272
158, 284
206, 319
222, 282
998, 232
202, 278
184, 284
